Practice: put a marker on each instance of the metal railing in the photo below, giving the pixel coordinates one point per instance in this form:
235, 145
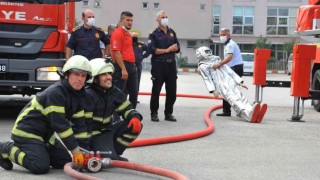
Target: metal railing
278, 65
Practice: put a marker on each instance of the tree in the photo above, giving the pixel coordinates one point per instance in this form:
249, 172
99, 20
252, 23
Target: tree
262, 42
181, 61
288, 46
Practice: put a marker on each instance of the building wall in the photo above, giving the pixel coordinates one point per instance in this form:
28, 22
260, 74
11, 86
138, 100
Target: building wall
186, 18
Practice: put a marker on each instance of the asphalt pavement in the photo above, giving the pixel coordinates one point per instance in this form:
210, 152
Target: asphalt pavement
274, 149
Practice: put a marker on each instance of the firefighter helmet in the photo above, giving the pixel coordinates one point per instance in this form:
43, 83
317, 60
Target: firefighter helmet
99, 66
203, 53
77, 63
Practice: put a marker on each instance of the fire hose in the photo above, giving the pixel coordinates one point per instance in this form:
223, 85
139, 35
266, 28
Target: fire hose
182, 137
94, 162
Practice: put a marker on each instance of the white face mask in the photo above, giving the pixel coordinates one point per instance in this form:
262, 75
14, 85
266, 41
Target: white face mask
164, 22
91, 21
223, 39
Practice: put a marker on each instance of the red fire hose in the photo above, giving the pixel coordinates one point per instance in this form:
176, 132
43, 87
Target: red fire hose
182, 137
151, 141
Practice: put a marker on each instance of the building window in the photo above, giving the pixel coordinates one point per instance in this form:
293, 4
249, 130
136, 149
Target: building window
281, 20
145, 5
97, 4
216, 20
191, 43
248, 48
85, 3
202, 7
156, 5
243, 20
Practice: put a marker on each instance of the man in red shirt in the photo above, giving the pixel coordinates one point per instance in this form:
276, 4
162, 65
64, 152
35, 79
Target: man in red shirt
125, 75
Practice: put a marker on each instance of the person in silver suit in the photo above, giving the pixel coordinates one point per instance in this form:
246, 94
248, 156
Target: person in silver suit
225, 82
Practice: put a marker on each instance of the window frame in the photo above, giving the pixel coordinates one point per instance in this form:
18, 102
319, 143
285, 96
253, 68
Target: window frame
85, 5
243, 20
97, 4
216, 23
284, 24
145, 3
191, 43
156, 5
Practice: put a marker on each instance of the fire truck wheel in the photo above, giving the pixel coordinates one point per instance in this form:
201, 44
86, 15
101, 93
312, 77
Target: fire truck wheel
316, 86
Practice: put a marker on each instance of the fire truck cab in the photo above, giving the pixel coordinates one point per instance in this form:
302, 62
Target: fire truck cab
308, 28
33, 36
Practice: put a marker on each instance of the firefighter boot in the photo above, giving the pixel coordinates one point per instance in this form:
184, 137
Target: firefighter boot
262, 112
154, 117
170, 117
254, 113
5, 163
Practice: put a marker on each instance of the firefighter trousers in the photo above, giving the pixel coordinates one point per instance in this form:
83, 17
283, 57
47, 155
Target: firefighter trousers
37, 157
115, 141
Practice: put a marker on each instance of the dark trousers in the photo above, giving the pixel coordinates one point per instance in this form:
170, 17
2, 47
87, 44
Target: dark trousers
238, 69
139, 70
115, 141
129, 86
39, 156
163, 72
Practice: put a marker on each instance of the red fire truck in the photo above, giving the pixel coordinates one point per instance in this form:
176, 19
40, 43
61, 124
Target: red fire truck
308, 27
33, 35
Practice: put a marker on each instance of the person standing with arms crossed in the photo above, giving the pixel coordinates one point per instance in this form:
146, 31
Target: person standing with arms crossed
125, 75
85, 40
233, 58
163, 45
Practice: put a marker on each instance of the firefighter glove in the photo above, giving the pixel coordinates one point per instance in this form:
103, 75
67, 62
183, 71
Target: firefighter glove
135, 124
78, 158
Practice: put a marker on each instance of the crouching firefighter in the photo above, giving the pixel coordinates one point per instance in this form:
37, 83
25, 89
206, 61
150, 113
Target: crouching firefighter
58, 110
109, 136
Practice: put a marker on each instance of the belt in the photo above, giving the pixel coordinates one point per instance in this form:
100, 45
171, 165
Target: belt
165, 60
238, 65
130, 63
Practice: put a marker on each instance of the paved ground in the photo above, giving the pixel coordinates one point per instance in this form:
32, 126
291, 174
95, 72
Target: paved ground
275, 149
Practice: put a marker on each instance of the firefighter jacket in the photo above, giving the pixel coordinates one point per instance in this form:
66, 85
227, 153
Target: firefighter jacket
59, 109
105, 104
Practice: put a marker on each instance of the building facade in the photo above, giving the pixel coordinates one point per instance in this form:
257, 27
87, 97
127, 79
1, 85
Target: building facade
197, 22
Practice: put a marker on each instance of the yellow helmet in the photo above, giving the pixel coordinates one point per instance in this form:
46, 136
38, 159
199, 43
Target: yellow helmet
99, 66
77, 62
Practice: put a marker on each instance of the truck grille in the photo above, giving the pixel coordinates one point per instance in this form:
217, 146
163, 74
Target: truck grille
14, 76
17, 27
13, 42
23, 39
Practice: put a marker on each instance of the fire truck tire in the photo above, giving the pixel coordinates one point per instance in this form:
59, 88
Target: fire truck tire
316, 86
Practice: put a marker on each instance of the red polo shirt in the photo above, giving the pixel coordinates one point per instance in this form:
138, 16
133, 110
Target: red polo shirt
121, 40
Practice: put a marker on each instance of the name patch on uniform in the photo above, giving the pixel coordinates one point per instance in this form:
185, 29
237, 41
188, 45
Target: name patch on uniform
115, 44
97, 35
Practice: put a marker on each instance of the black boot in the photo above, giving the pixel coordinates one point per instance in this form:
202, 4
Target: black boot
123, 159
5, 163
224, 114
170, 117
154, 117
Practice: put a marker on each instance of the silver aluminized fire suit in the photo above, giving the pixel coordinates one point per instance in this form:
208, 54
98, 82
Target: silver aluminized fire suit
226, 82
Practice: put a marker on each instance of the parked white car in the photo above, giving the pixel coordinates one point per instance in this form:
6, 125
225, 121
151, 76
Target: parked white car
289, 71
247, 59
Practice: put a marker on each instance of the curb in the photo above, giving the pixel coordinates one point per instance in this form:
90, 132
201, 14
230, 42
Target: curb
194, 70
